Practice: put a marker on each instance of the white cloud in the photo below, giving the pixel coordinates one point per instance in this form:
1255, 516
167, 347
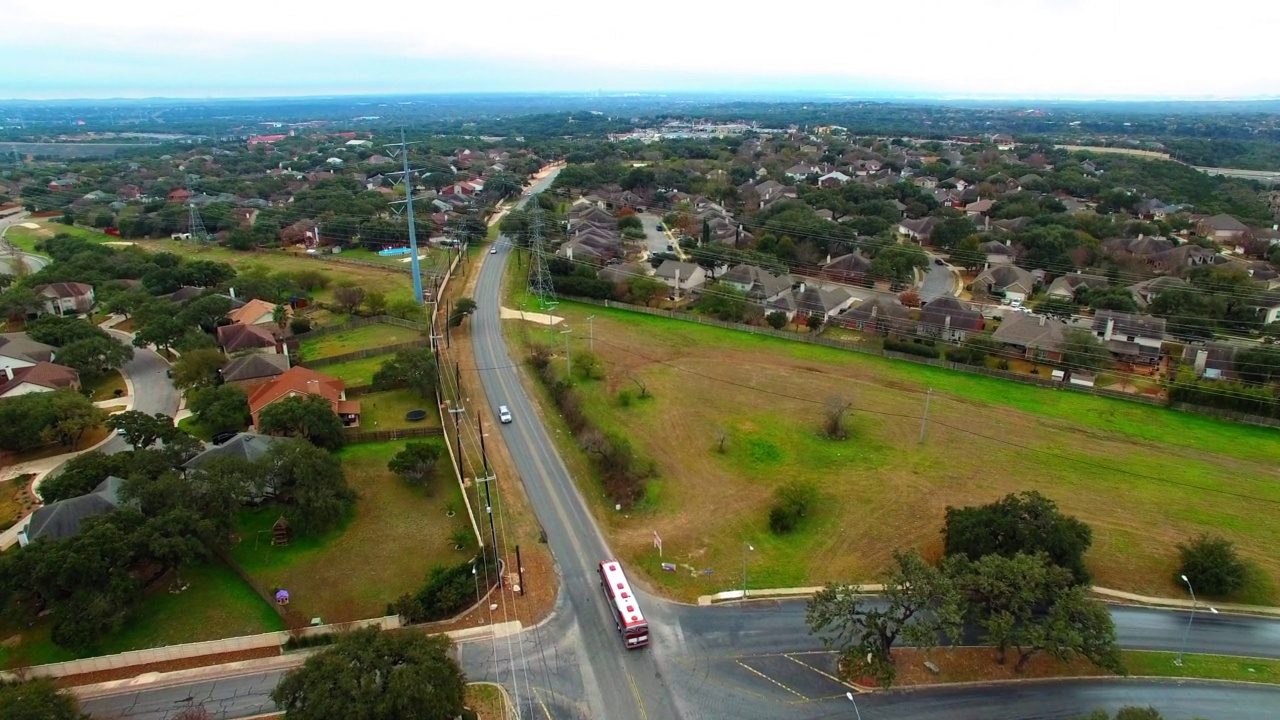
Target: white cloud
1008, 47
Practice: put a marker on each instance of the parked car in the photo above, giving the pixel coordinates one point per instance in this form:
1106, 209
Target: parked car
1015, 304
504, 414
221, 438
938, 261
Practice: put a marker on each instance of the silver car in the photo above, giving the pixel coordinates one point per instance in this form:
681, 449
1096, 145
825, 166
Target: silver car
504, 414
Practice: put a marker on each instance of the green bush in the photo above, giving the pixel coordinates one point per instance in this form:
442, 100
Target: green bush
919, 349
309, 641
1212, 566
446, 592
791, 502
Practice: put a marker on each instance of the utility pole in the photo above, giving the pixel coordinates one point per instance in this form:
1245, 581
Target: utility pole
924, 421
568, 360
457, 436
408, 203
484, 457
591, 331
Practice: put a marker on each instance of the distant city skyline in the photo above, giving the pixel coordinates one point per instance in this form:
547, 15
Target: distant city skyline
1024, 49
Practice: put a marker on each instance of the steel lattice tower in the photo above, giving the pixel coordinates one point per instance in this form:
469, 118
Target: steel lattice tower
195, 225
540, 289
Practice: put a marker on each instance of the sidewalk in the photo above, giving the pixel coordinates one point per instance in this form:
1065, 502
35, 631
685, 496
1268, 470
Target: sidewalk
539, 318
1118, 597
152, 681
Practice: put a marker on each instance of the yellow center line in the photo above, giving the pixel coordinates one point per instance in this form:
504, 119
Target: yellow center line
635, 690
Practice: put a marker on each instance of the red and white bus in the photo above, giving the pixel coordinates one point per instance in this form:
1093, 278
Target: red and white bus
626, 611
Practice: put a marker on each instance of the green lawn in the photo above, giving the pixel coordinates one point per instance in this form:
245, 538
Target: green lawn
215, 604
369, 336
396, 534
104, 387
193, 427
386, 410
1207, 667
357, 372
1145, 478
26, 238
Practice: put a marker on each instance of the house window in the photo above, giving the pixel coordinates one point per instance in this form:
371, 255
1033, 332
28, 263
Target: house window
1129, 338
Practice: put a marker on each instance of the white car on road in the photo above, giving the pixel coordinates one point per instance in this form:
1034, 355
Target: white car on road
504, 414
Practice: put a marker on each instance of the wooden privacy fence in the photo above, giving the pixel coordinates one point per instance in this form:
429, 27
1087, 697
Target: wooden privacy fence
361, 354
354, 435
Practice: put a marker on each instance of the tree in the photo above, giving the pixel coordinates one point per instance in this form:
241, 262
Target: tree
791, 501
198, 368
160, 330
38, 699
140, 429
376, 675
310, 417
81, 474
416, 462
1007, 595
897, 263
462, 307
300, 325
348, 297
646, 289
414, 368
1082, 351
1075, 624
776, 319
951, 231
630, 221
95, 356
280, 316
73, 416
375, 302
309, 482
1212, 565
24, 419
833, 417
207, 312
1018, 523
919, 604
224, 408
61, 331
910, 298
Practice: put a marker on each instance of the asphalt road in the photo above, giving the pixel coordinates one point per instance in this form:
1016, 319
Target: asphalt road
153, 391
655, 239
938, 281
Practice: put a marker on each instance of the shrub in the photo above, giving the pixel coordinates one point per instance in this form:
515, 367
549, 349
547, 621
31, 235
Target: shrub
299, 325
928, 350
1212, 566
446, 592
625, 398
776, 319
791, 502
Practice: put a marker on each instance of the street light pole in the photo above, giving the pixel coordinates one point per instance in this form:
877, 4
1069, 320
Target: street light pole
855, 704
747, 548
1187, 633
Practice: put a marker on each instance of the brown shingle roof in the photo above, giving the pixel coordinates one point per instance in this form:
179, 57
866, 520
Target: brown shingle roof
296, 381
233, 338
48, 375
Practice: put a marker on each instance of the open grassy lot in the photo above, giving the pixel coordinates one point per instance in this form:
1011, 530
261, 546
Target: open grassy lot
357, 372
369, 336
386, 410
396, 534
215, 604
11, 494
1144, 478
392, 284
25, 239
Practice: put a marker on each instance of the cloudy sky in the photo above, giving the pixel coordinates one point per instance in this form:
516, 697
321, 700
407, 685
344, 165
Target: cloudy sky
1004, 48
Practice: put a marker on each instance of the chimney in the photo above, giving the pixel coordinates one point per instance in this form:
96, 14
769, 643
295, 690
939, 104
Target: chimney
8, 372
313, 387
946, 324
875, 310
1111, 324
233, 293
1202, 358
1042, 320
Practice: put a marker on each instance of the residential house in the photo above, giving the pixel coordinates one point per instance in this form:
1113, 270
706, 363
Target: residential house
1268, 307
129, 192
1264, 275
800, 171
256, 312
1142, 246
1153, 209
245, 338
61, 184
759, 285
919, 230
249, 371
297, 381
183, 294
247, 446
1212, 360
17, 350
681, 277
808, 299
66, 298
62, 519
926, 182
591, 247
835, 178
949, 319
1065, 287
1181, 257
1223, 228
866, 167
998, 253
40, 377
878, 315
1131, 338
1147, 290
979, 209
624, 272
1012, 224
1035, 337
851, 269
1007, 281
1073, 205
178, 195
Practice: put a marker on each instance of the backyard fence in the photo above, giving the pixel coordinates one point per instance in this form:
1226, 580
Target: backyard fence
339, 260
357, 323
959, 367
361, 354
358, 436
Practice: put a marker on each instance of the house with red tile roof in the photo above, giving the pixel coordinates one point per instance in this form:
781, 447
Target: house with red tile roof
41, 377
302, 381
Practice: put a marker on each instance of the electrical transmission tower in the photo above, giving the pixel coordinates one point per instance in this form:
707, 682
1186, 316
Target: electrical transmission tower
540, 289
195, 225
413, 229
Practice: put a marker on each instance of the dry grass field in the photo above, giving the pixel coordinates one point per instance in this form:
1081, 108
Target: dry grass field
1144, 478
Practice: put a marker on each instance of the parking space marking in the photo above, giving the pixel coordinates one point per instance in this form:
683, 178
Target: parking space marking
823, 673
775, 682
